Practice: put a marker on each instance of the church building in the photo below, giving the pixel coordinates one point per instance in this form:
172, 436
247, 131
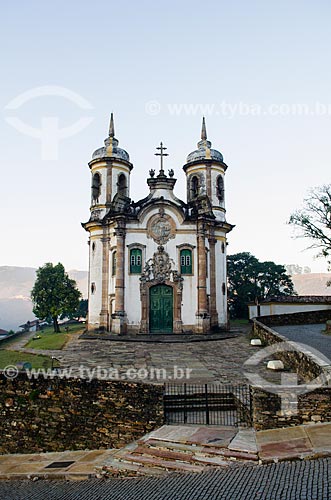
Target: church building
157, 265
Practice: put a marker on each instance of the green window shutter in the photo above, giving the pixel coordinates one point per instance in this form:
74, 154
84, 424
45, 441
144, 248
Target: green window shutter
135, 261
185, 261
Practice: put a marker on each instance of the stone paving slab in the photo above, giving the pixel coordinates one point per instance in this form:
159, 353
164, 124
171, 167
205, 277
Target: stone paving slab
244, 441
319, 435
30, 465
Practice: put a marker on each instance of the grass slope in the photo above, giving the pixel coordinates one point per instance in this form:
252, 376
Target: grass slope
51, 340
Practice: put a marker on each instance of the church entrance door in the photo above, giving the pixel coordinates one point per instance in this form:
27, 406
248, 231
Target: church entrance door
161, 309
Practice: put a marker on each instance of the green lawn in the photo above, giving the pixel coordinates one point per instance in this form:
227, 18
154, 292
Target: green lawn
51, 340
13, 357
239, 322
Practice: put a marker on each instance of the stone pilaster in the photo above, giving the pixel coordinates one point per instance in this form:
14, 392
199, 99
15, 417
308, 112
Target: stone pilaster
212, 273
202, 315
104, 313
119, 317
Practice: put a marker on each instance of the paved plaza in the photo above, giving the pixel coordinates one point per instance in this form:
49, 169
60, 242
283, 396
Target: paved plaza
156, 362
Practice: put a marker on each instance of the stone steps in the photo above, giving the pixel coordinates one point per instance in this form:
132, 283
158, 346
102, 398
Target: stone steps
164, 464
204, 450
159, 454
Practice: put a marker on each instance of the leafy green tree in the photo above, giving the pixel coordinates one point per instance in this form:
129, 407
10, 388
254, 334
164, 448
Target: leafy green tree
54, 293
314, 220
80, 312
252, 280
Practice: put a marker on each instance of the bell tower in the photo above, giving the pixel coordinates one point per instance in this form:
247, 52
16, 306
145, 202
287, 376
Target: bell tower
110, 190
205, 171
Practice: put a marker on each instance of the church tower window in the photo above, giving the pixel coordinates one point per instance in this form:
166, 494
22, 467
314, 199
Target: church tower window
121, 185
194, 186
135, 261
96, 187
113, 263
186, 261
220, 188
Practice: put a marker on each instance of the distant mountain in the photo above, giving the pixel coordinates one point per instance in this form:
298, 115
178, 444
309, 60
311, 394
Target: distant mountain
16, 284
312, 283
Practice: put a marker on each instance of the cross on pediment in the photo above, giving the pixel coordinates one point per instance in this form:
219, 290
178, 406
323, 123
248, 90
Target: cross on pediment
161, 148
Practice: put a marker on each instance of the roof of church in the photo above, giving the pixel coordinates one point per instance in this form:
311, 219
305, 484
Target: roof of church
204, 151
111, 149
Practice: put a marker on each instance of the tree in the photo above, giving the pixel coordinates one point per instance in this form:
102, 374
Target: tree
314, 220
54, 293
80, 312
251, 280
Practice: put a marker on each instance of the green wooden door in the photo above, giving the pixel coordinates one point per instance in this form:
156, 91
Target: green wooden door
160, 309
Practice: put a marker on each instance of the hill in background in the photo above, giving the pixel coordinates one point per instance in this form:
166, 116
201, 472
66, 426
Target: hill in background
312, 283
16, 284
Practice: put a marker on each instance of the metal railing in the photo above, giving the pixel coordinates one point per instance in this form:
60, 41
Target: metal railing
209, 404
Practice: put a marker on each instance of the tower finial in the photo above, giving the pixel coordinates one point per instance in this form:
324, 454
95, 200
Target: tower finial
111, 126
203, 130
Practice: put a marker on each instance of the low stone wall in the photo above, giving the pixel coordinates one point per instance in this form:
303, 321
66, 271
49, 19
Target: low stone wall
300, 318
71, 414
312, 407
305, 363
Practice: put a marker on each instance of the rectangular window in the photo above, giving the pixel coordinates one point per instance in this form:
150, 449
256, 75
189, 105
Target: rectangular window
186, 261
135, 261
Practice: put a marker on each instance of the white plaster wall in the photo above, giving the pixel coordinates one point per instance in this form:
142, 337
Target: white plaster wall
221, 300
278, 308
117, 170
96, 277
132, 285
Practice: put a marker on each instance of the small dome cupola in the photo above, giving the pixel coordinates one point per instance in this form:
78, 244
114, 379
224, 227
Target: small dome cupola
111, 149
204, 151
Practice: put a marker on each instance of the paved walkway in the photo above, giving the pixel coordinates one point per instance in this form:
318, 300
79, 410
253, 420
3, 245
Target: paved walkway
186, 448
299, 480
311, 335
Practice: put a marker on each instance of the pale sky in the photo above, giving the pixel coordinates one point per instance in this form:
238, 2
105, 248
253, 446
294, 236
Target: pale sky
258, 70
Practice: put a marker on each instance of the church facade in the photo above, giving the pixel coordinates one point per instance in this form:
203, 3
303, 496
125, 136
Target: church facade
157, 265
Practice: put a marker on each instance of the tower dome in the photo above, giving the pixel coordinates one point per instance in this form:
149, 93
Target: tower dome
204, 151
111, 149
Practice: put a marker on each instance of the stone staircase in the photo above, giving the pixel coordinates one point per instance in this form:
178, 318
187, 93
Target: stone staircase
154, 456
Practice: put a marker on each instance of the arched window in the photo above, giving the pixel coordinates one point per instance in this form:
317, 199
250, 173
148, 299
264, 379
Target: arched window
186, 261
113, 263
195, 186
220, 188
92, 288
121, 185
96, 187
93, 246
135, 261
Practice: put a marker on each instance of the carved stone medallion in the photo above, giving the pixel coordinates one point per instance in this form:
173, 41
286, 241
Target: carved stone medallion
161, 228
